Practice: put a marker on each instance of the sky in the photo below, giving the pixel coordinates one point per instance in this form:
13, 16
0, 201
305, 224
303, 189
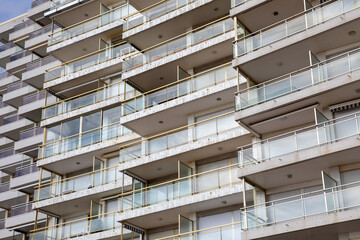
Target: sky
12, 8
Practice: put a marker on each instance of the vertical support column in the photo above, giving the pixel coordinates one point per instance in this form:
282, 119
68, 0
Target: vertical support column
191, 129
189, 37
144, 147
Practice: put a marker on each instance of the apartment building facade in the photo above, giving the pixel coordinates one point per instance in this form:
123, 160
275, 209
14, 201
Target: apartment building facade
181, 119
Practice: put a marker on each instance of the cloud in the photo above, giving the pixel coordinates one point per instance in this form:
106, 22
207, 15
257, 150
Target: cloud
12, 8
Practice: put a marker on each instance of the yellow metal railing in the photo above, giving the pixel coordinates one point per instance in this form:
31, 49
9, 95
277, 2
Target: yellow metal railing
89, 60
81, 227
230, 231
78, 183
180, 136
178, 188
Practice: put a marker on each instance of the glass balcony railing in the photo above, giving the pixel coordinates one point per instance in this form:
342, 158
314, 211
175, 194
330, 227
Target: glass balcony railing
23, 25
2, 223
134, 101
34, 97
24, 170
2, 104
235, 3
89, 60
179, 43
54, 4
179, 188
83, 139
19, 55
38, 3
293, 25
7, 152
78, 183
330, 200
299, 80
88, 98
43, 30
4, 187
12, 118
16, 86
314, 136
83, 227
89, 24
154, 11
7, 46
180, 136
179, 88
230, 231
39, 63
4, 75
31, 132
21, 209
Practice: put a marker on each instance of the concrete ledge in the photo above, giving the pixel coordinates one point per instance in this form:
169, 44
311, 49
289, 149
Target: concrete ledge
23, 219
175, 56
8, 234
298, 96
303, 224
83, 36
183, 148
250, 4
192, 199
298, 37
300, 156
166, 17
108, 234
83, 72
178, 101
82, 193
87, 149
81, 111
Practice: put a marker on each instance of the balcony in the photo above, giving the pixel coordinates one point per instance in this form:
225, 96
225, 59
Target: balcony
89, 67
6, 110
67, 43
18, 62
32, 105
55, 197
200, 140
97, 227
35, 71
6, 234
329, 209
175, 101
5, 142
310, 149
202, 191
6, 51
10, 160
37, 39
15, 93
12, 125
285, 40
83, 147
169, 18
21, 30
37, 10
29, 141
261, 105
9, 197
23, 218
230, 231
7, 27
85, 102
6, 79
207, 43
